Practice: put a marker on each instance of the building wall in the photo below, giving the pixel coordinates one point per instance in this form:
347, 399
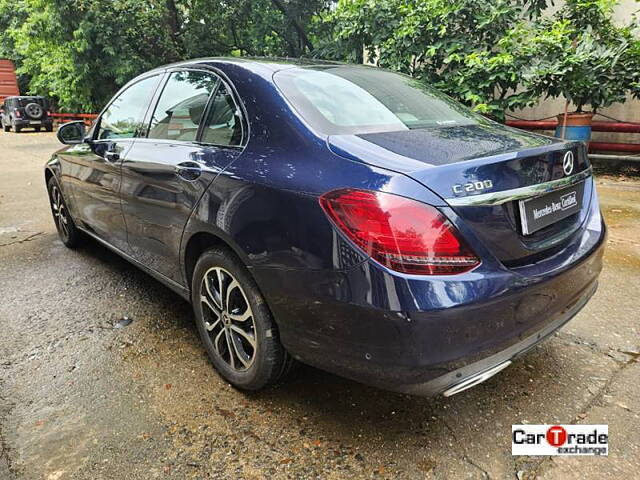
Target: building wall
8, 80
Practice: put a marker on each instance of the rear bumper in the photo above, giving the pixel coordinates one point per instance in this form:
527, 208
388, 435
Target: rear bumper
33, 123
424, 337
474, 373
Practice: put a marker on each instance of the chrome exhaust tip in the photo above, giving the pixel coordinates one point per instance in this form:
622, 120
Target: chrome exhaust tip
476, 379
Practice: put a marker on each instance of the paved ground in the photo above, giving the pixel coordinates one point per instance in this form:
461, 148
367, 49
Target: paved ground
84, 400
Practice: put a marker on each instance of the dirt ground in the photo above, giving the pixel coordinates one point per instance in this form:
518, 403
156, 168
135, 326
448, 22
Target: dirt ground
82, 399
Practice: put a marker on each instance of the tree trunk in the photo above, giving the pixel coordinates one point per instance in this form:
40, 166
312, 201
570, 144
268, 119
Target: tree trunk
301, 33
359, 53
173, 20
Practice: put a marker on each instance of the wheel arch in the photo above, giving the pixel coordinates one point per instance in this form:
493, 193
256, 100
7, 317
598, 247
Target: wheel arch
204, 239
48, 173
52, 169
197, 242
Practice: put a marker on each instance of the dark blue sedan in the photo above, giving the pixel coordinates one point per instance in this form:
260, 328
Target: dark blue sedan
343, 216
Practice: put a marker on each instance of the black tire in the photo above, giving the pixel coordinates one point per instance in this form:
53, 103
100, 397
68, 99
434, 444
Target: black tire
37, 129
49, 128
245, 368
67, 230
16, 128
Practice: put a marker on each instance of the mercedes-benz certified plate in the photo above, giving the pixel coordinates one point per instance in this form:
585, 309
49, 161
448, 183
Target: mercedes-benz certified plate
539, 212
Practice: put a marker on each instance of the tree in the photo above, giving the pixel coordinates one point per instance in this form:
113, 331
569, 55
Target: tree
580, 54
251, 27
496, 55
79, 52
466, 48
11, 16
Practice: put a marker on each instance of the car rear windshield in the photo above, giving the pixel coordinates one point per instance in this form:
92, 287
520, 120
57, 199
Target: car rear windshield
350, 100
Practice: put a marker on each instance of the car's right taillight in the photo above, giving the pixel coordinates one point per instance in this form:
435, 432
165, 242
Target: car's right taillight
402, 234
18, 114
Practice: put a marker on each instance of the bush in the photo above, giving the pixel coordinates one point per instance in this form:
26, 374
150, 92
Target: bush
468, 49
581, 55
496, 55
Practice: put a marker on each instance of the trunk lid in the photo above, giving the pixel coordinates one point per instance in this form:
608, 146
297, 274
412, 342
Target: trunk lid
482, 172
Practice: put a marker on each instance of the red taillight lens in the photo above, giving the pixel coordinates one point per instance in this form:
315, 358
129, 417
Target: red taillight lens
402, 234
18, 114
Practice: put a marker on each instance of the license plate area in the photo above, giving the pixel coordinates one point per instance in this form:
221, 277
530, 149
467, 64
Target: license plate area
540, 212
35, 122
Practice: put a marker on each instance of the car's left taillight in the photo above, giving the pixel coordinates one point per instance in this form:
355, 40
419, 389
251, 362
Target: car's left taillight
402, 234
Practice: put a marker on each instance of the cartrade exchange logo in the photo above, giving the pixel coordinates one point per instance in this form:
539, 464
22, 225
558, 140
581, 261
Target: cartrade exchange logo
560, 440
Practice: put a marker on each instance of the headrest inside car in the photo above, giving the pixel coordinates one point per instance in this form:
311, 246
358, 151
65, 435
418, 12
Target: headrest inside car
196, 113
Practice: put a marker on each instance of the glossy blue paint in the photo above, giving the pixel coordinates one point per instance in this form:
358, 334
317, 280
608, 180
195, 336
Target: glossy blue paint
335, 307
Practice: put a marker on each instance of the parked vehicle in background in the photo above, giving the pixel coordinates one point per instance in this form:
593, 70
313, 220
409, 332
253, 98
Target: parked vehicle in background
25, 112
348, 217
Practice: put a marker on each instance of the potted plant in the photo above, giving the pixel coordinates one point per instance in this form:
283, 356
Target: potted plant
582, 56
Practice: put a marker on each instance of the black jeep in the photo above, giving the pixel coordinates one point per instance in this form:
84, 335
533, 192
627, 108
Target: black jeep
25, 111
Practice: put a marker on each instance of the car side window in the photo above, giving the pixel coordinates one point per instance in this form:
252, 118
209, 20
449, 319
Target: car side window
181, 106
223, 125
124, 117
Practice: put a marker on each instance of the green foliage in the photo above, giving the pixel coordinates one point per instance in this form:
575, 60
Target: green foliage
496, 55
582, 55
11, 16
79, 52
249, 27
467, 48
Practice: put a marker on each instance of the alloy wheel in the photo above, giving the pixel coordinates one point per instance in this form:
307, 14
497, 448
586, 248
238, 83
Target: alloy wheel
60, 214
228, 318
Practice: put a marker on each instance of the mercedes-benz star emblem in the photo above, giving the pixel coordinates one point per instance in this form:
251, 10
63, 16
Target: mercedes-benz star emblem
567, 163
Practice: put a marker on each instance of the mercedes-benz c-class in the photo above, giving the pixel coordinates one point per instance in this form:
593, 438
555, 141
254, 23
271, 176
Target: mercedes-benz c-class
343, 216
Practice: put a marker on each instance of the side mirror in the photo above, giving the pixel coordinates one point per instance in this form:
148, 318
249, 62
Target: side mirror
71, 133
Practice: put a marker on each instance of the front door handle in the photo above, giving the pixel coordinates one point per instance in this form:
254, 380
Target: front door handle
189, 171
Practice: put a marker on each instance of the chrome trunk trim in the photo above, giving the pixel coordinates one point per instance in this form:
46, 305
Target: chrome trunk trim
498, 198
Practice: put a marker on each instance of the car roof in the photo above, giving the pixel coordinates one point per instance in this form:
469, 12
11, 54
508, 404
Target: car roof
23, 96
252, 63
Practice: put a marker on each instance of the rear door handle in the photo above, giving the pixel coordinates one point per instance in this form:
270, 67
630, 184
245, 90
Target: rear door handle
189, 171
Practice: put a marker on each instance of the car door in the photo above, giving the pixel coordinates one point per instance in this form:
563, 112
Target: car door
91, 171
194, 132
